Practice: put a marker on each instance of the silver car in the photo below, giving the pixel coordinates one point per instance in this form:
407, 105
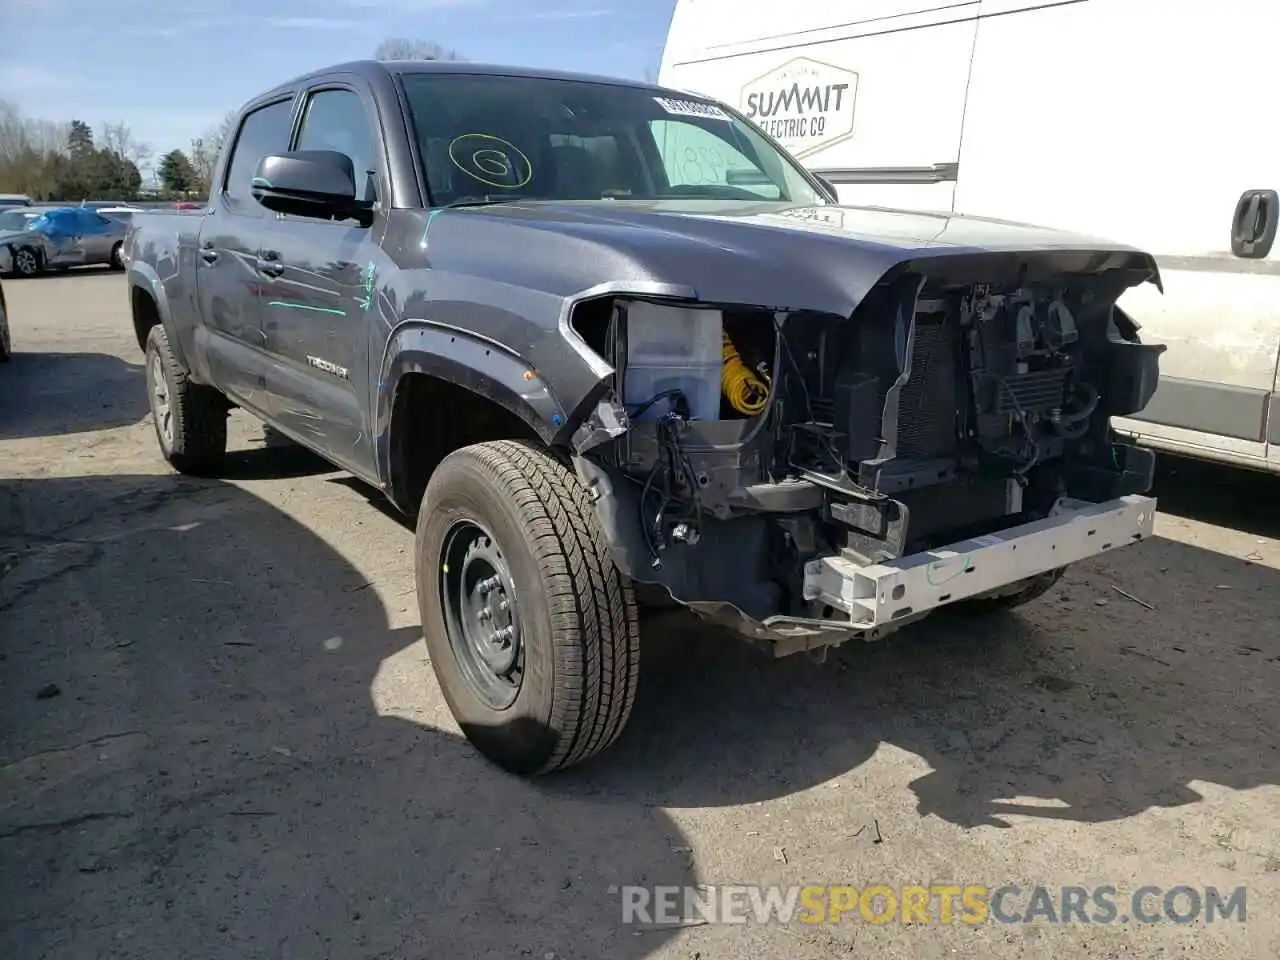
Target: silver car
36, 239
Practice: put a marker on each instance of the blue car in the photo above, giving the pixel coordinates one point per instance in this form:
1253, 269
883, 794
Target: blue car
54, 238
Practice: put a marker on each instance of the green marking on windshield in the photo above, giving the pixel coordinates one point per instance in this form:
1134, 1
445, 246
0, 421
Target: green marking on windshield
261, 182
306, 306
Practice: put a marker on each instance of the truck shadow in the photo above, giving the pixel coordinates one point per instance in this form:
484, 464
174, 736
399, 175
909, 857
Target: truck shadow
274, 457
244, 755
53, 394
1219, 494
1084, 699
240, 755
1086, 702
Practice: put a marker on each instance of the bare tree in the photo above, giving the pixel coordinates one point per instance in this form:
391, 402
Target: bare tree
218, 136
398, 48
19, 134
118, 139
33, 152
202, 158
203, 155
13, 134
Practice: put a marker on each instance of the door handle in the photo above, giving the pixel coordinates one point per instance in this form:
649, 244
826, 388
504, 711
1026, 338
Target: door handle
209, 255
1253, 228
269, 263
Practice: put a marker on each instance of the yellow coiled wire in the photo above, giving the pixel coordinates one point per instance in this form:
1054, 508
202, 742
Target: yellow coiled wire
742, 387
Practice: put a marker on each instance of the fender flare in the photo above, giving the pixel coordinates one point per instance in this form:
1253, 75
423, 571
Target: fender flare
144, 277
482, 366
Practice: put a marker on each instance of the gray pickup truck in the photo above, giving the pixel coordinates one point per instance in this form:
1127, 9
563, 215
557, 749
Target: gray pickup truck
608, 340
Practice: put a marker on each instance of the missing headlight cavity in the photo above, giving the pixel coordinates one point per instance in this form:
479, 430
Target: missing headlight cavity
704, 362
943, 407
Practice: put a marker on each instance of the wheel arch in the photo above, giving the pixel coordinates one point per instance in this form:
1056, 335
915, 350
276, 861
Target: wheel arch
14, 246
149, 306
442, 387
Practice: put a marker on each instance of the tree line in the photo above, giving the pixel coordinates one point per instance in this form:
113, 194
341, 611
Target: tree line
49, 160
68, 161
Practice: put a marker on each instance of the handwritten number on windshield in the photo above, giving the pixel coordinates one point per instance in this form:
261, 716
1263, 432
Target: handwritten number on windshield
702, 165
491, 160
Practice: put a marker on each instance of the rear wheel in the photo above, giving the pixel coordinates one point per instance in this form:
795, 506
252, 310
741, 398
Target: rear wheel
190, 418
531, 629
1015, 595
117, 258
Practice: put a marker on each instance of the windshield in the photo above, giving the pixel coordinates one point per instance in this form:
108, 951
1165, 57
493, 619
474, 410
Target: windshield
489, 138
12, 220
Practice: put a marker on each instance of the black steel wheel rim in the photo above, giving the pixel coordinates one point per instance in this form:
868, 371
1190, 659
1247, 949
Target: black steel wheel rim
480, 614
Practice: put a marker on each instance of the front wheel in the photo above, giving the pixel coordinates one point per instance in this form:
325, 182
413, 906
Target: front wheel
190, 418
531, 629
26, 262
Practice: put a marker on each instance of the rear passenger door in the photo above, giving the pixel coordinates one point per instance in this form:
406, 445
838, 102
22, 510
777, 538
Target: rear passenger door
230, 343
315, 310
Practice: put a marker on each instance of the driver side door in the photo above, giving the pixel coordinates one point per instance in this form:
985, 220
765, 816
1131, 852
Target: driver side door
315, 305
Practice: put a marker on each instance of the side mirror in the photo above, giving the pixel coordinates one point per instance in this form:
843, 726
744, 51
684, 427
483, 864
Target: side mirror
309, 183
829, 187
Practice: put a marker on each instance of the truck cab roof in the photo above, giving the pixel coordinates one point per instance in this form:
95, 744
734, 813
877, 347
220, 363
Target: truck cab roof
374, 68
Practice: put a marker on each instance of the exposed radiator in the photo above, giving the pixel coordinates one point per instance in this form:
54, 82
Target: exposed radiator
927, 406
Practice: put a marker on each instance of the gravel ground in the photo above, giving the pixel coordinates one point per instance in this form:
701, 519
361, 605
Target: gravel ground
220, 736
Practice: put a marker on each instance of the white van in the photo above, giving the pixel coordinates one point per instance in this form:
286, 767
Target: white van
1136, 120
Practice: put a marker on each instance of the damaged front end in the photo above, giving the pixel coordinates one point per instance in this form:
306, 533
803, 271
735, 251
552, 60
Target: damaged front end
806, 478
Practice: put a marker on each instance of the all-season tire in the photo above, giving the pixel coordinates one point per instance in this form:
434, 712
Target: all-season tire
1023, 591
529, 527
190, 418
117, 261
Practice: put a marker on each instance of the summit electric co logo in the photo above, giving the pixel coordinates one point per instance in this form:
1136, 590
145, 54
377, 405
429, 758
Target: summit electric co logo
804, 104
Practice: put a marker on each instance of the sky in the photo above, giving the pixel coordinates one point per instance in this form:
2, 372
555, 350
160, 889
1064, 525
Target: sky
171, 70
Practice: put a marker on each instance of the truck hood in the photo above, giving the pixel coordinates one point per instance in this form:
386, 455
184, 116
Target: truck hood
870, 227
781, 255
